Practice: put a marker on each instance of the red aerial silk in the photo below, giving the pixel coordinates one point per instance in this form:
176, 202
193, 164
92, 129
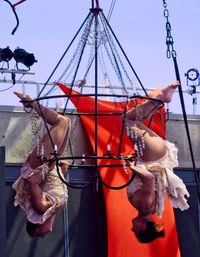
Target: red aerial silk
121, 240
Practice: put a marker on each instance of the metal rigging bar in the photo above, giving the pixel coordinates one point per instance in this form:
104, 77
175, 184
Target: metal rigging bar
57, 65
80, 56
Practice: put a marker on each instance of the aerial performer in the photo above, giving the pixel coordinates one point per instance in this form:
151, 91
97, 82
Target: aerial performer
39, 190
154, 177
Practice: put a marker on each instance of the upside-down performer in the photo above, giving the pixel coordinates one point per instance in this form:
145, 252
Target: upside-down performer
39, 190
154, 169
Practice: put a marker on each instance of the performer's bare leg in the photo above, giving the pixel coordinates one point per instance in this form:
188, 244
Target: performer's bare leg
155, 147
148, 107
59, 130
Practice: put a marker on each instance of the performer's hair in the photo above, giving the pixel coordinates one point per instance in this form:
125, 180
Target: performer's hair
30, 228
153, 231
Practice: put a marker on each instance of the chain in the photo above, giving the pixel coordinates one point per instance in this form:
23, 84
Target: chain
138, 141
37, 130
104, 70
169, 39
76, 55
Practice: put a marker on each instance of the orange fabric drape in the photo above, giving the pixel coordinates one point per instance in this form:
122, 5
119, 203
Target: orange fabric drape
121, 241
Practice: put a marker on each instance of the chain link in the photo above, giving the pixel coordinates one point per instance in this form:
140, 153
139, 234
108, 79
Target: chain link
169, 39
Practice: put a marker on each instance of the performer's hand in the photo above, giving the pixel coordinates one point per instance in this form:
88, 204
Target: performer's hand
64, 166
131, 162
131, 158
26, 100
132, 165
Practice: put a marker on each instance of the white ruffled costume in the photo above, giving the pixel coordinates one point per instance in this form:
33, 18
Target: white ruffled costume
166, 182
52, 187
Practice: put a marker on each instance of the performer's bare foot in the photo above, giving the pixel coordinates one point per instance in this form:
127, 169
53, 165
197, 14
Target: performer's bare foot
165, 94
25, 99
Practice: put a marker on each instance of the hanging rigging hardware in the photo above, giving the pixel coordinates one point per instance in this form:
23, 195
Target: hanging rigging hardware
169, 39
13, 6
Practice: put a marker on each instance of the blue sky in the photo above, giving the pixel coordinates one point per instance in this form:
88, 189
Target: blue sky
47, 27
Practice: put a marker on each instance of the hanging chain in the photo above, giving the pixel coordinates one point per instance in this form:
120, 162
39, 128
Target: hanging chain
75, 57
169, 39
35, 131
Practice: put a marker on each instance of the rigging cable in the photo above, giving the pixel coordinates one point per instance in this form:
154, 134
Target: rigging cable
172, 53
111, 9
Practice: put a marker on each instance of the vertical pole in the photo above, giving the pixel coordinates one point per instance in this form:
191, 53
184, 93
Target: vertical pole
97, 3
96, 12
66, 231
2, 204
187, 126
